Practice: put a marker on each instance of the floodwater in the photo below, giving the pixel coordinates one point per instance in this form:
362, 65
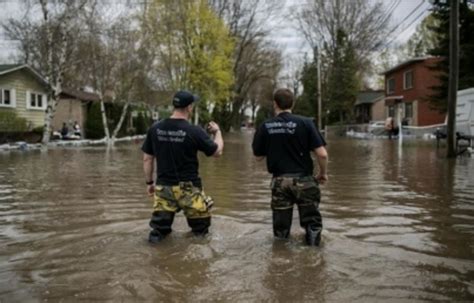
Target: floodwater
399, 227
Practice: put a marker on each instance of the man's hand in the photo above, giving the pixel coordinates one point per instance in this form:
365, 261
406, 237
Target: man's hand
150, 189
212, 127
322, 179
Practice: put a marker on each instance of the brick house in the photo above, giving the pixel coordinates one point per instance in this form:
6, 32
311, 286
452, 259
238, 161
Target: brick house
407, 88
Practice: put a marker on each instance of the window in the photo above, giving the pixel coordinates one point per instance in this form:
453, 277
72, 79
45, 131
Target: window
391, 111
35, 101
408, 80
408, 110
390, 85
7, 97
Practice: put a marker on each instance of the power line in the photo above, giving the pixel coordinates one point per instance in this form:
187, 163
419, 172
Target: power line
408, 16
406, 27
389, 12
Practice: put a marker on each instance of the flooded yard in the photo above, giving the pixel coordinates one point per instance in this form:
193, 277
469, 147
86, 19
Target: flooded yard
399, 227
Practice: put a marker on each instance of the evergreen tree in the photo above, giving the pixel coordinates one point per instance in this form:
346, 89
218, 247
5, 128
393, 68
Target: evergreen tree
93, 127
343, 83
441, 12
306, 103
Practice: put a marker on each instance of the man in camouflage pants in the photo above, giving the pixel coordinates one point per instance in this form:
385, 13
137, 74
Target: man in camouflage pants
174, 143
286, 141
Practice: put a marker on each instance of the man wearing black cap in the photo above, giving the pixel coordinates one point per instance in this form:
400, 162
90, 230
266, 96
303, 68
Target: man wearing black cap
174, 143
286, 141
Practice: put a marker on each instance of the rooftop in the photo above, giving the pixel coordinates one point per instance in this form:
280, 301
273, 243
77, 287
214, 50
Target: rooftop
369, 97
5, 68
9, 68
80, 95
405, 63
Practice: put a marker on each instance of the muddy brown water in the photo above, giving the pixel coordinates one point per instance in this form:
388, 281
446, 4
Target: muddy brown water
399, 227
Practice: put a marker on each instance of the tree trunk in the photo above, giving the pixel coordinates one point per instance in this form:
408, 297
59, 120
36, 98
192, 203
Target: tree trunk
196, 115
104, 120
236, 117
47, 125
119, 124
54, 73
254, 111
48, 117
50, 102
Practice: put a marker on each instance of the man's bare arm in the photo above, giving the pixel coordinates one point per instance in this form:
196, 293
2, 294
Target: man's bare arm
220, 143
216, 131
148, 170
259, 158
322, 157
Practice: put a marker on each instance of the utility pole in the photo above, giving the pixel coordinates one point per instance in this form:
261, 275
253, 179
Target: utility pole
453, 76
318, 95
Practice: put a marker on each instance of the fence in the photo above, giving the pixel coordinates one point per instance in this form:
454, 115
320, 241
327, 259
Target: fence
366, 131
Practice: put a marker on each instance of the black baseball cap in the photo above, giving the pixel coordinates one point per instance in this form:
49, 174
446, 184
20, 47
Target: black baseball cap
183, 98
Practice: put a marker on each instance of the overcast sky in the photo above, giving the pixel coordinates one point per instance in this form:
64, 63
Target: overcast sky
284, 35
295, 47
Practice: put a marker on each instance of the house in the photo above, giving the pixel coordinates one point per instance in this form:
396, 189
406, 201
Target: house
407, 89
368, 106
73, 107
24, 91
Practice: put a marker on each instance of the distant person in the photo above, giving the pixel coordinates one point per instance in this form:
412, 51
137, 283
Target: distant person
390, 127
77, 129
64, 130
287, 141
174, 143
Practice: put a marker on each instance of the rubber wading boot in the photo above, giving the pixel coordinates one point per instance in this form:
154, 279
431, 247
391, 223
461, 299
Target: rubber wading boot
282, 223
199, 226
155, 237
313, 236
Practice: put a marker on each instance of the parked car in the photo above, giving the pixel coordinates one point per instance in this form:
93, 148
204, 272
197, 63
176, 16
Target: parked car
376, 126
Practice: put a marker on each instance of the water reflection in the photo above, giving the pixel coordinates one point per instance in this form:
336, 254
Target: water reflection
398, 226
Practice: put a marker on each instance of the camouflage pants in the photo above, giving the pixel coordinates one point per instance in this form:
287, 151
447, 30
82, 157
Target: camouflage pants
171, 199
302, 191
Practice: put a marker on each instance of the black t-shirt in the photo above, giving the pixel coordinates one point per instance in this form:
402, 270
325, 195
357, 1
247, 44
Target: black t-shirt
175, 143
287, 140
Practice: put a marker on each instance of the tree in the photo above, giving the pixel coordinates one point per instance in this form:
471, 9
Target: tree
441, 13
254, 58
306, 102
48, 45
194, 49
115, 66
346, 32
343, 81
423, 40
365, 24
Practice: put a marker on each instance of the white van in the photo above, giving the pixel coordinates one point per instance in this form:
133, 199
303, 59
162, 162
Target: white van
465, 112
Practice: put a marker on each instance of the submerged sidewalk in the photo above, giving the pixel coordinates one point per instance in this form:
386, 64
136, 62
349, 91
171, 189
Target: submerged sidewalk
23, 146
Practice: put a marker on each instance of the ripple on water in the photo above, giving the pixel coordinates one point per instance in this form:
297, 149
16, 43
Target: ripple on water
398, 227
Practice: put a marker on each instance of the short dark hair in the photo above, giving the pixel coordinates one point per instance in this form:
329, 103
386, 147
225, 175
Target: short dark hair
284, 98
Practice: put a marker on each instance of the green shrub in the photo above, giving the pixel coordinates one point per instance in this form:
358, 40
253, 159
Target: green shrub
10, 122
93, 126
164, 113
222, 115
114, 111
141, 125
263, 114
38, 130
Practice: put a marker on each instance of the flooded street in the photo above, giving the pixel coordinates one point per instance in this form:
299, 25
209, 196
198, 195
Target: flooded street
399, 227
